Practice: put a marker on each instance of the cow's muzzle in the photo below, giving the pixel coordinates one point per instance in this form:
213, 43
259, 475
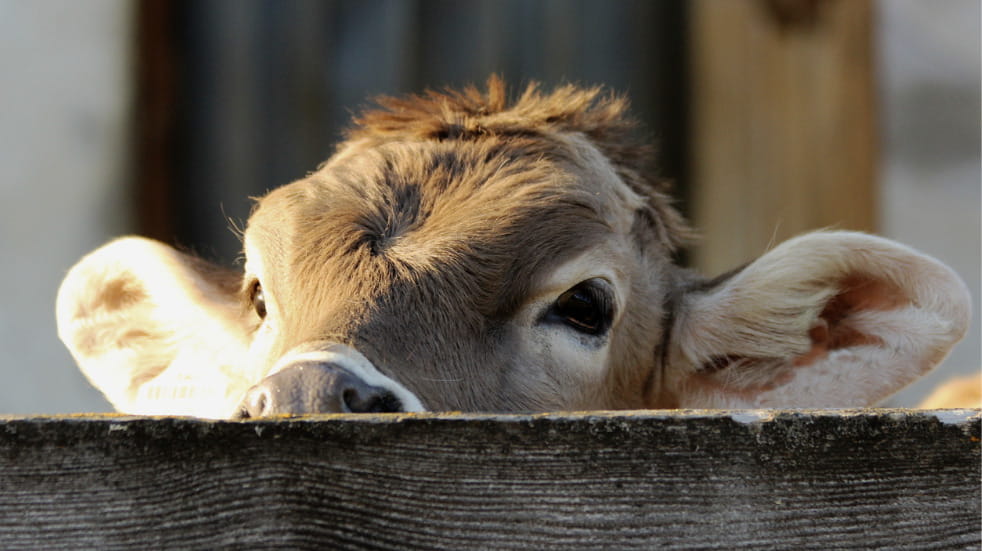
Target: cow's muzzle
329, 378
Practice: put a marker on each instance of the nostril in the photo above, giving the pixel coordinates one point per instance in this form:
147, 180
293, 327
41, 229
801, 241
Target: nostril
370, 399
318, 388
386, 403
350, 400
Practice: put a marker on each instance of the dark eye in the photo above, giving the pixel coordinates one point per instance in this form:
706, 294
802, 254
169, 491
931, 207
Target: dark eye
586, 307
258, 300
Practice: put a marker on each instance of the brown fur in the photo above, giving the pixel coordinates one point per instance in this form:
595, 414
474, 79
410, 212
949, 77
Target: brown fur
531, 124
958, 392
429, 226
433, 249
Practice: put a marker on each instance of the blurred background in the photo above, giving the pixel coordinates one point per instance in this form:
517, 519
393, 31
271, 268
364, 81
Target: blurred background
772, 117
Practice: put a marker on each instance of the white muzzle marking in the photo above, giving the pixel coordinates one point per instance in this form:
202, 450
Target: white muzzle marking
351, 360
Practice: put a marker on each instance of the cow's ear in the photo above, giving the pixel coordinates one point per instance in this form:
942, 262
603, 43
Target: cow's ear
156, 330
828, 319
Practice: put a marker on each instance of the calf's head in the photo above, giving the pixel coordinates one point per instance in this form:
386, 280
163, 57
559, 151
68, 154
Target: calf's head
459, 252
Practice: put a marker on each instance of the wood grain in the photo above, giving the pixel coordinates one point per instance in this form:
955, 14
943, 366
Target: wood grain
887, 479
783, 127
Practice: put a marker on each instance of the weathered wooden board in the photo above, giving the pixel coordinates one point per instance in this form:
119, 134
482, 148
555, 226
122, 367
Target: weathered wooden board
888, 479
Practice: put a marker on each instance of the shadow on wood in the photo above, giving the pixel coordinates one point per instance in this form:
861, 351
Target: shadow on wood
894, 479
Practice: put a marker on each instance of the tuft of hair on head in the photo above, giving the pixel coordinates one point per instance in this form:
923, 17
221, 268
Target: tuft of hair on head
472, 114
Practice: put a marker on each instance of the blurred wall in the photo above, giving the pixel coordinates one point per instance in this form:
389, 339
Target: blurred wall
64, 96
930, 178
265, 88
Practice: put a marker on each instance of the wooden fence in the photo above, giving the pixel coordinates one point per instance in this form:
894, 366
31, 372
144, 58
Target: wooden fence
890, 479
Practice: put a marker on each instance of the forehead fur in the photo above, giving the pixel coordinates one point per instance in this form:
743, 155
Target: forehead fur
471, 115
472, 217
464, 191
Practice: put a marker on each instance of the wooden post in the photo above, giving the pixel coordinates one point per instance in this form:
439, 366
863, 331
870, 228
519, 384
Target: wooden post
868, 479
154, 126
783, 133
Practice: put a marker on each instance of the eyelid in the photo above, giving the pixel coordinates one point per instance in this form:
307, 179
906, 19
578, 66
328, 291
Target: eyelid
604, 291
603, 294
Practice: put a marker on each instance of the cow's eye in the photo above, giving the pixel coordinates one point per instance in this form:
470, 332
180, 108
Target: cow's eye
586, 307
258, 300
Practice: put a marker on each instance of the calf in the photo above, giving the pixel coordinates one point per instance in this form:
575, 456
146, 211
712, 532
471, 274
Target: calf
957, 392
460, 252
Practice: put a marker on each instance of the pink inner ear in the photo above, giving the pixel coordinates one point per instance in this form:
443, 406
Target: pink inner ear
746, 377
859, 293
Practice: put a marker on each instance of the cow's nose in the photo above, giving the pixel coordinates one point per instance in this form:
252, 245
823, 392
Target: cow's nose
315, 388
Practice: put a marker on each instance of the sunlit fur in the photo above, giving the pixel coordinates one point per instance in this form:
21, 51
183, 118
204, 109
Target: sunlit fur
432, 243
